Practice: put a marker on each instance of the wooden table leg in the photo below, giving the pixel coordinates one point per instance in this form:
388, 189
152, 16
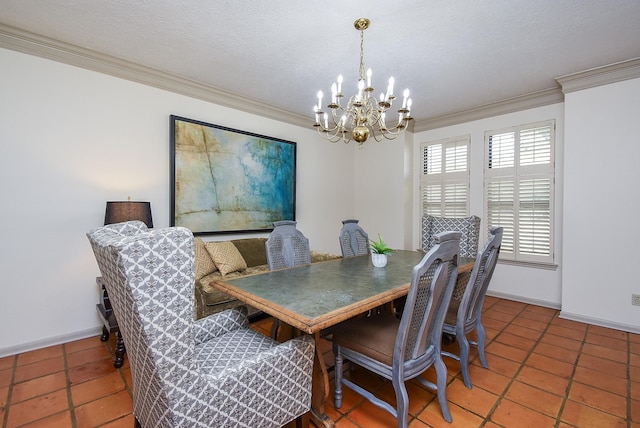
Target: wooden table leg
320, 389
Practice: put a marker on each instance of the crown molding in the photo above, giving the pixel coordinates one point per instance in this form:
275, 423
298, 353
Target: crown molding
509, 105
599, 76
44, 47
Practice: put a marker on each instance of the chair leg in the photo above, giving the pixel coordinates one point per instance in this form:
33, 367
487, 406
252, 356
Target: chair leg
120, 350
136, 423
441, 376
482, 336
402, 409
274, 328
302, 421
463, 343
337, 396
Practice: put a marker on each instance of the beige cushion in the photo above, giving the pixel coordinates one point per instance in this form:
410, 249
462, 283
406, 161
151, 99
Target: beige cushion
204, 264
226, 256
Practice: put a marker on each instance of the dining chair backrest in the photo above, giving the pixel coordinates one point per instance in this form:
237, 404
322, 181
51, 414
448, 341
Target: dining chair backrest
287, 246
432, 283
354, 241
465, 314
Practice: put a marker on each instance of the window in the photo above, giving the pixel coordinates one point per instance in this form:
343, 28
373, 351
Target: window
444, 180
519, 190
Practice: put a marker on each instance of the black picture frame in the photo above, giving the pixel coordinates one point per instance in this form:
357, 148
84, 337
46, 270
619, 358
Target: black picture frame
224, 180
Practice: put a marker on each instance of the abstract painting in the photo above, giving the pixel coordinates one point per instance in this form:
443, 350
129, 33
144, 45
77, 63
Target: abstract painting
226, 181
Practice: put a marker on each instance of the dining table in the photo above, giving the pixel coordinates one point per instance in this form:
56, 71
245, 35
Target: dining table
316, 297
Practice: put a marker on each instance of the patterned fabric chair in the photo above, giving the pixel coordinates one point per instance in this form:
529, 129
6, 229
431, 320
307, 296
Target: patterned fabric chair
468, 226
213, 372
354, 241
465, 315
287, 246
402, 349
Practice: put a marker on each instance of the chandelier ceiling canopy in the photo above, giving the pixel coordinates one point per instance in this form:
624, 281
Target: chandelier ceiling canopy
364, 115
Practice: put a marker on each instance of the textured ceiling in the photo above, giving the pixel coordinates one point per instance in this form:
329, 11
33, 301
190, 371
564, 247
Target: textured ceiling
452, 55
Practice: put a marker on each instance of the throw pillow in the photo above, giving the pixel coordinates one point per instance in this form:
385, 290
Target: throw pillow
253, 250
226, 256
203, 262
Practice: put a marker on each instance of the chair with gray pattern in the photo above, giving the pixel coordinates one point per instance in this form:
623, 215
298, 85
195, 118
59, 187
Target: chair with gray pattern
465, 315
469, 227
354, 241
287, 246
213, 372
402, 349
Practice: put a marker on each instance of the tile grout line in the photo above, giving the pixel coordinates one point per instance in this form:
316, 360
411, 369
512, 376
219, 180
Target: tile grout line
5, 421
521, 366
570, 383
72, 410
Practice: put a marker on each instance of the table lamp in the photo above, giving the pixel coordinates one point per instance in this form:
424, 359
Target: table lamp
119, 211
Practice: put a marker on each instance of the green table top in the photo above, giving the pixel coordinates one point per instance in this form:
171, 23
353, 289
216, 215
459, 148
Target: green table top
319, 295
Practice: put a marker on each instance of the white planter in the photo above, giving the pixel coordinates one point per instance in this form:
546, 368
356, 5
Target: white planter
379, 260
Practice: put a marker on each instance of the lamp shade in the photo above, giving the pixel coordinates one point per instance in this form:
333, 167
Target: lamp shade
119, 211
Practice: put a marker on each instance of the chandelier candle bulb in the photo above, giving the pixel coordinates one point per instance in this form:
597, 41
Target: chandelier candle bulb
404, 100
369, 73
319, 100
340, 83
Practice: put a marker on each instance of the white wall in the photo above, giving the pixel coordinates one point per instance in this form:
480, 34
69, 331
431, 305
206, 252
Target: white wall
533, 285
601, 204
71, 140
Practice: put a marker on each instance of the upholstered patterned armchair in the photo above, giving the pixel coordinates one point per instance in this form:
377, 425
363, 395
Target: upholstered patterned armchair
468, 226
213, 372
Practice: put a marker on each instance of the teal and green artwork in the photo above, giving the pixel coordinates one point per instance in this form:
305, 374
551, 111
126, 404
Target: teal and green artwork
226, 181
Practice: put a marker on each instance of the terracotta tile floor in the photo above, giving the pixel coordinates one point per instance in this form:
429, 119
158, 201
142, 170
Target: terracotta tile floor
544, 372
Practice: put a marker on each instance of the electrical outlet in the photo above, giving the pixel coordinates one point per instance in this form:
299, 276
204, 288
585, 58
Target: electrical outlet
635, 299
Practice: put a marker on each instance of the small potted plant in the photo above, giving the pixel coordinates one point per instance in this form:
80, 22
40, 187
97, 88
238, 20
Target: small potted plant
379, 251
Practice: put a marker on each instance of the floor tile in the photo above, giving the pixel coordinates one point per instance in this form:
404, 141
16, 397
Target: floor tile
90, 371
513, 415
475, 400
580, 415
37, 369
535, 399
38, 386
600, 380
39, 355
104, 410
604, 365
37, 408
58, 420
598, 399
544, 380
97, 388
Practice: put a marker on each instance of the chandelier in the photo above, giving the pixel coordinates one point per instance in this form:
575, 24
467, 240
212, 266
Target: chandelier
364, 115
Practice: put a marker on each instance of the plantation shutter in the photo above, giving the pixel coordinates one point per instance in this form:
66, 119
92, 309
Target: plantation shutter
519, 188
444, 181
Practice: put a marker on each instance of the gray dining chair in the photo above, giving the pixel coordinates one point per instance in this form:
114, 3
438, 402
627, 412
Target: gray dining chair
211, 372
354, 241
465, 314
402, 349
287, 246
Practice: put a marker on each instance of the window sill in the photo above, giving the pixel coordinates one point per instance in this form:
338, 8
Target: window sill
533, 265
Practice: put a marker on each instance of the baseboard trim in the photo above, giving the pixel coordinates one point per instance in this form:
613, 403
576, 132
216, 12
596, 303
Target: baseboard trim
537, 302
629, 328
49, 341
